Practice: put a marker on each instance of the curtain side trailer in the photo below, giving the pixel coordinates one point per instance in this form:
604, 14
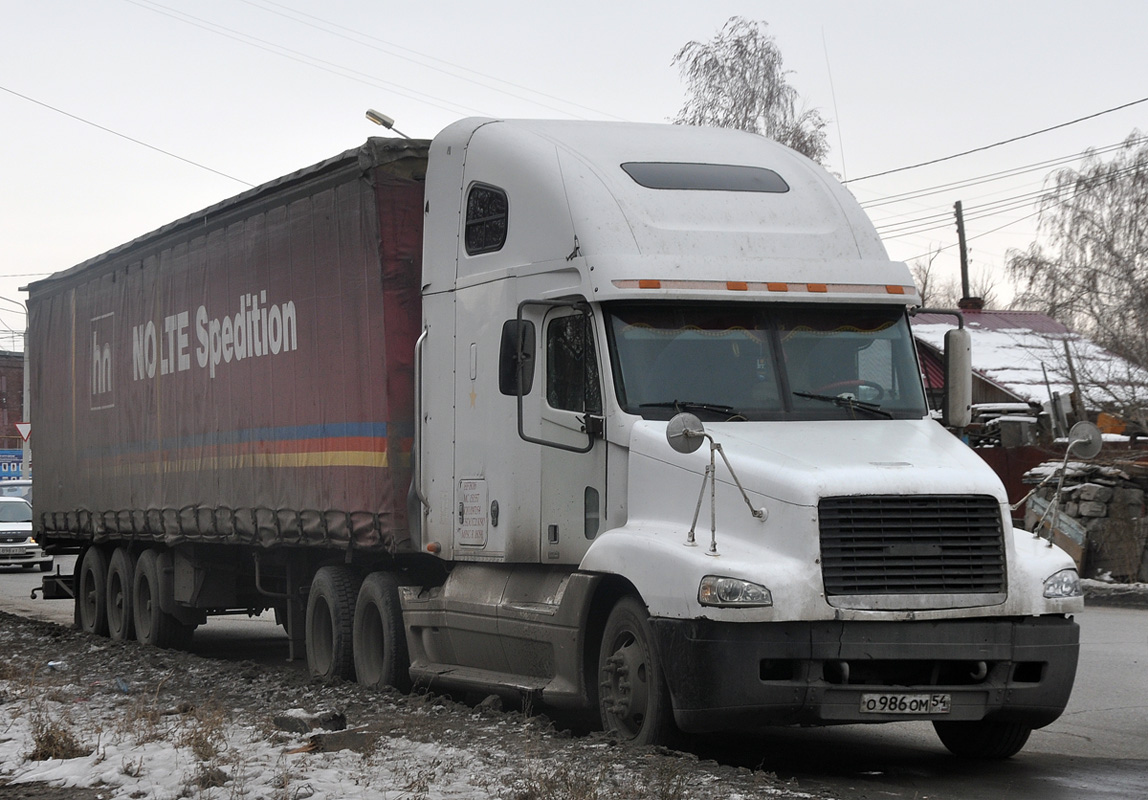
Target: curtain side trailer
624, 418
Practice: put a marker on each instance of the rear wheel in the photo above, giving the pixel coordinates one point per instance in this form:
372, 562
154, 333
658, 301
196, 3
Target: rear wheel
153, 625
121, 570
380, 642
91, 592
633, 699
330, 623
986, 739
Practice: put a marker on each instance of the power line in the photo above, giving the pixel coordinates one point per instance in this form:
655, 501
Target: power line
124, 136
288, 12
1002, 142
994, 176
299, 57
930, 222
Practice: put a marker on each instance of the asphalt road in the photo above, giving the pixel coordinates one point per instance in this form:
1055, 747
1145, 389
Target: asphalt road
1097, 749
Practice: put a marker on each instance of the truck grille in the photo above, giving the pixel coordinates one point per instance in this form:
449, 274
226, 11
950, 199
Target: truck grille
924, 544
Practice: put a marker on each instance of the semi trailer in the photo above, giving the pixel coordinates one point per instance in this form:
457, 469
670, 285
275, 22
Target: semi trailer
624, 419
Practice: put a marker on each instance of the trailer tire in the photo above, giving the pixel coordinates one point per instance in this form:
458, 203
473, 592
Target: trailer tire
985, 739
633, 699
91, 592
330, 623
121, 571
380, 642
153, 625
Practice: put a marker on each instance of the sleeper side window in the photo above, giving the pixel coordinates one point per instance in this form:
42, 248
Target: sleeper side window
487, 211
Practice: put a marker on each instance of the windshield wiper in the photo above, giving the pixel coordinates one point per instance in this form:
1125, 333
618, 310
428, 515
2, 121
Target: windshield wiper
689, 405
844, 401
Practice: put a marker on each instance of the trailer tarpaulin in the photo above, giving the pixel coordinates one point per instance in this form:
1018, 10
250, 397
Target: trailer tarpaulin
243, 375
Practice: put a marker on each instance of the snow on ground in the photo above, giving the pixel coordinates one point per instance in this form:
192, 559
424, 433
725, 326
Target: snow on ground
146, 723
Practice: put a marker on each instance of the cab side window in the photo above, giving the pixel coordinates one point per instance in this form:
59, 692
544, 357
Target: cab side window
571, 366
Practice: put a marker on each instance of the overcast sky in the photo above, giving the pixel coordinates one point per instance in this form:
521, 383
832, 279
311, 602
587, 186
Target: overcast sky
238, 92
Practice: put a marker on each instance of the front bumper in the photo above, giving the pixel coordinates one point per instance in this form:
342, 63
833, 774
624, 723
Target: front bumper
744, 676
22, 554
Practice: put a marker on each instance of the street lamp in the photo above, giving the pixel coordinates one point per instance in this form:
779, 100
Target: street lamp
380, 118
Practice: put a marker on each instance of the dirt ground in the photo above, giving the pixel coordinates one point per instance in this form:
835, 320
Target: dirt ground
124, 686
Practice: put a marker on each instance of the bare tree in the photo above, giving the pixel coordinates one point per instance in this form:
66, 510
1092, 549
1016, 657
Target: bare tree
925, 278
737, 81
1092, 271
939, 293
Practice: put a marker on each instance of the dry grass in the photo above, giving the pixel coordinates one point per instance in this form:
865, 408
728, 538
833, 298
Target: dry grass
52, 738
206, 736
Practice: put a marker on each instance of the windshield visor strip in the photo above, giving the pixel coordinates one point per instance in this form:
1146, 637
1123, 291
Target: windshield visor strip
766, 286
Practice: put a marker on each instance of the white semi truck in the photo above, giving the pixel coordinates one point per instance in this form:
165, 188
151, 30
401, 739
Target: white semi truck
621, 417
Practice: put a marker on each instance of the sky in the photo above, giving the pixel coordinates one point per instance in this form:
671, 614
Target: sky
119, 116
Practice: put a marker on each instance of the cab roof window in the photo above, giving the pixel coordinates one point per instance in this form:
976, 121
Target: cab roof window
705, 177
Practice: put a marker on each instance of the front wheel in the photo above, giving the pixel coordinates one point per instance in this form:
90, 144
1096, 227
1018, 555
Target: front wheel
633, 699
986, 739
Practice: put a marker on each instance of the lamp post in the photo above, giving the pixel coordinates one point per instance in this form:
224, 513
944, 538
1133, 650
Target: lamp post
380, 118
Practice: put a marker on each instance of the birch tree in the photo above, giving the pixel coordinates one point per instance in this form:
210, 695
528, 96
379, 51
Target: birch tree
737, 80
1089, 268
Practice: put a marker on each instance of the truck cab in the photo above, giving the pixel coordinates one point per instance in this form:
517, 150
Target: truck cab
846, 559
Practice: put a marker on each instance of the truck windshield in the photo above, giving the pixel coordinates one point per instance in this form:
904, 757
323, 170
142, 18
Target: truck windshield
759, 362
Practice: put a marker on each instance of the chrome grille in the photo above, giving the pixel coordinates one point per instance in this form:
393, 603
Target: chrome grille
920, 544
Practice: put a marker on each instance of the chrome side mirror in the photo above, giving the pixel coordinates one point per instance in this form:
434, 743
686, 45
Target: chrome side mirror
1084, 440
685, 432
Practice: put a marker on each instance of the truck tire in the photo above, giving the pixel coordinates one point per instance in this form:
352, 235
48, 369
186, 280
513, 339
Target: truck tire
153, 625
330, 623
121, 570
633, 700
986, 739
380, 642
91, 593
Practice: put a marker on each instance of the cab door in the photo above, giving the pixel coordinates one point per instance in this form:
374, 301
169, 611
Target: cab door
573, 457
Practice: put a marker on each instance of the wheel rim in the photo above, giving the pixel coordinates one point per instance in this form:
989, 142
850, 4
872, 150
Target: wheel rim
143, 602
115, 601
372, 643
324, 644
625, 684
91, 600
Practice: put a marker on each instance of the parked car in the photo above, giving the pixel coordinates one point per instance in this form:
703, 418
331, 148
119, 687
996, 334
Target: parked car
17, 487
17, 548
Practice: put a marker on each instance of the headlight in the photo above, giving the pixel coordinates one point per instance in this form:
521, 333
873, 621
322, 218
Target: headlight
1065, 583
718, 591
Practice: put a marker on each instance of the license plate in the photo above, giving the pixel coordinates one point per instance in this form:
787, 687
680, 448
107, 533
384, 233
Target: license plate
897, 703
11, 551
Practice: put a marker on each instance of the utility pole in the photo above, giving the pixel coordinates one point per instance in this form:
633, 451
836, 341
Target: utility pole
964, 250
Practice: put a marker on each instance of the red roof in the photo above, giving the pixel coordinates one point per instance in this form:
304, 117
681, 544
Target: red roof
1000, 320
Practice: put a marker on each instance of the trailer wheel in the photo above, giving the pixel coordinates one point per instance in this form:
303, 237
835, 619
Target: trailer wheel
633, 699
121, 570
986, 739
330, 623
153, 625
380, 642
91, 595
